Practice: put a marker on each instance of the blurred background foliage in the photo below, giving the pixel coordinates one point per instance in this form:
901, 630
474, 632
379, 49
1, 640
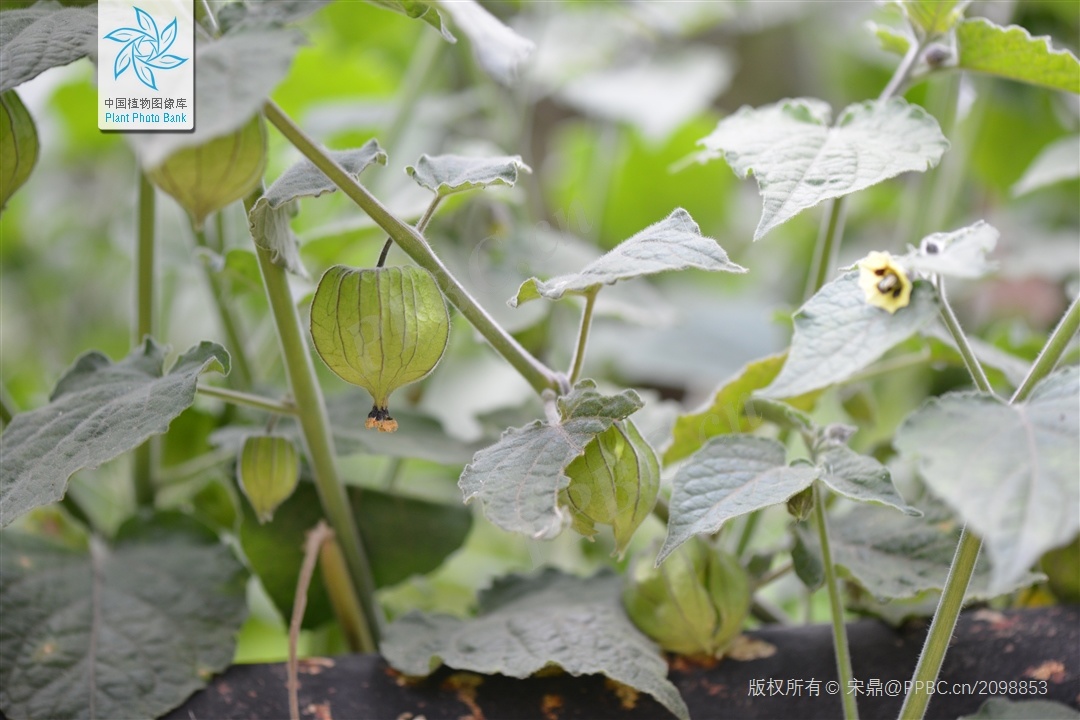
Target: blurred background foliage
616, 97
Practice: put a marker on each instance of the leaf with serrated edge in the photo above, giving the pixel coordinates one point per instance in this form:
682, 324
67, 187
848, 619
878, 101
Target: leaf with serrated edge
44, 36
799, 160
269, 218
726, 412
99, 410
961, 253
1011, 52
837, 334
518, 479
860, 478
1012, 472
1057, 162
527, 623
731, 475
497, 48
225, 103
896, 557
448, 174
128, 628
674, 243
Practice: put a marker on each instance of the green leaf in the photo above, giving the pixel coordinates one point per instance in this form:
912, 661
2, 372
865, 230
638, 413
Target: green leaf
1011, 52
417, 9
526, 624
961, 253
1000, 708
98, 411
123, 629
1012, 472
726, 411
890, 39
674, 243
224, 104
497, 48
269, 217
44, 36
934, 17
806, 559
403, 536
860, 478
235, 17
837, 334
518, 479
896, 556
731, 475
448, 174
1058, 161
799, 160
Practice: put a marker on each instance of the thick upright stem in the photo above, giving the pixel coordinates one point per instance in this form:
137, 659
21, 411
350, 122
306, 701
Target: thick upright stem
836, 607
315, 427
143, 456
241, 375
408, 239
967, 551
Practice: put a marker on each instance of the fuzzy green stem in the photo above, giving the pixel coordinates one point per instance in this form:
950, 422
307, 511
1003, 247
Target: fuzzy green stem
539, 376
421, 226
836, 608
583, 336
978, 375
248, 400
967, 551
143, 456
241, 374
315, 427
827, 248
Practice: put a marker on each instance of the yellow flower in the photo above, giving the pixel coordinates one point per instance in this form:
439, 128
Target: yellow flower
885, 283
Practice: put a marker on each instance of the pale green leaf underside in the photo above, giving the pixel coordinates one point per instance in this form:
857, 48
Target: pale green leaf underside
1058, 161
674, 243
860, 478
270, 217
518, 479
99, 410
961, 253
121, 630
496, 47
1011, 472
1011, 52
837, 334
731, 475
890, 39
234, 76
799, 160
448, 174
44, 36
525, 624
896, 556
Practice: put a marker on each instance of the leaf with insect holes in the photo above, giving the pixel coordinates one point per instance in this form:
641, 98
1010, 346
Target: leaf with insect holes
118, 628
837, 334
1011, 52
961, 253
269, 217
526, 624
43, 36
731, 475
799, 160
518, 479
98, 410
1012, 472
448, 174
674, 243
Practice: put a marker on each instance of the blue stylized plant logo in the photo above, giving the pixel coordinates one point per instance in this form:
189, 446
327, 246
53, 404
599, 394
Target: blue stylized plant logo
145, 49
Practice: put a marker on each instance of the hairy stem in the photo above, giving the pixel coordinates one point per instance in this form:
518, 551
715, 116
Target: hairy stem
143, 456
583, 336
967, 551
241, 375
248, 400
836, 607
539, 376
421, 226
315, 427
